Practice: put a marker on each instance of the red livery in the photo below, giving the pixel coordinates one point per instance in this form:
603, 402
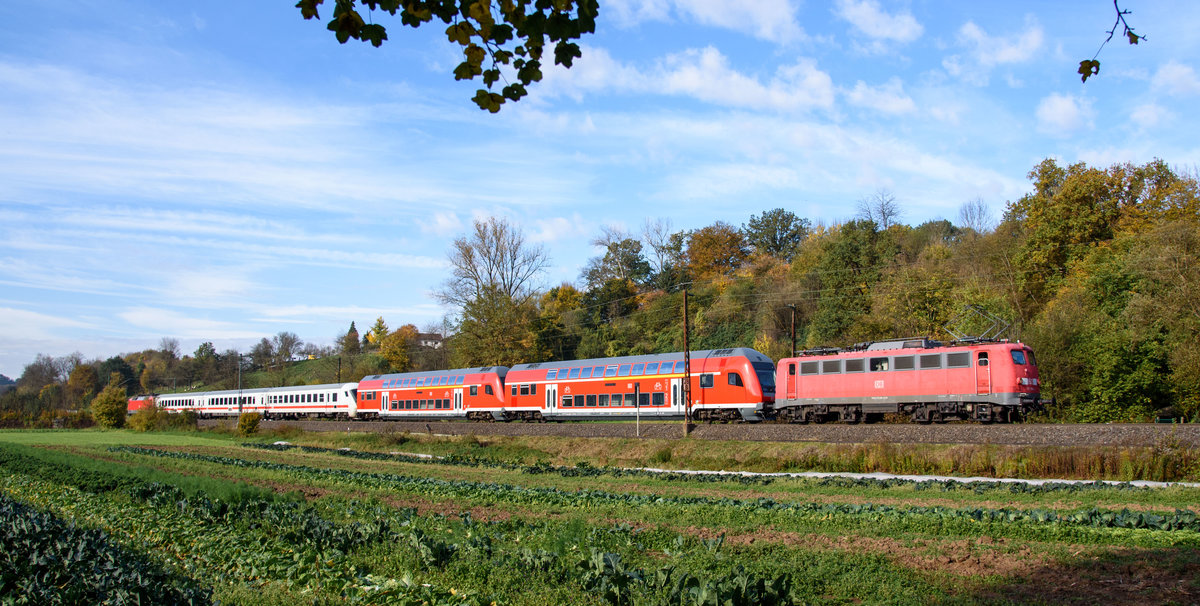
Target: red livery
927, 380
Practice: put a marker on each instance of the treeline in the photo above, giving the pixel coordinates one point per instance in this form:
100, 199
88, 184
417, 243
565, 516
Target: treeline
1095, 268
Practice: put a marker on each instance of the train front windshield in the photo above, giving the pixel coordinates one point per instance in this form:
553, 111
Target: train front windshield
766, 376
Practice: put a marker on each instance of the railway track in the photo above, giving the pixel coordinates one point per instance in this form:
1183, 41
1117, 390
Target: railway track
1130, 434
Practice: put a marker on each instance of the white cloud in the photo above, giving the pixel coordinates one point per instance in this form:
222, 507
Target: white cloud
985, 51
554, 229
1149, 115
772, 20
1176, 79
167, 322
444, 223
889, 98
870, 19
703, 74
706, 75
628, 13
17, 324
1061, 115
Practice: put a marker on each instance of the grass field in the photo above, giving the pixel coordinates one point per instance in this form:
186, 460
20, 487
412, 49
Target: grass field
353, 519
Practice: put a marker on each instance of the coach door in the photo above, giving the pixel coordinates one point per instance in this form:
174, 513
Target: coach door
677, 396
458, 404
983, 374
383, 405
551, 396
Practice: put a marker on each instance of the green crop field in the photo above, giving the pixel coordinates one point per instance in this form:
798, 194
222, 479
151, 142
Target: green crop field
192, 518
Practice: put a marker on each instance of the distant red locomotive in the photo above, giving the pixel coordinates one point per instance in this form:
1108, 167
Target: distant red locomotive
927, 380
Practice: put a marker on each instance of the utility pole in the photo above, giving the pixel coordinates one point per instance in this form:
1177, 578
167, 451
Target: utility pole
793, 306
687, 371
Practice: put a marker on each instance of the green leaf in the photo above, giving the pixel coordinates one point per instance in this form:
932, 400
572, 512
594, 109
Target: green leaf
1088, 68
488, 101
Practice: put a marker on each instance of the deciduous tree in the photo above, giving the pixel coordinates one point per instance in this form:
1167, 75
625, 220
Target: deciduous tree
777, 232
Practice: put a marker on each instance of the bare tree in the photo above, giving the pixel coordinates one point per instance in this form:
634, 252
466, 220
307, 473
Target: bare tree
495, 257
975, 215
880, 207
287, 345
170, 347
657, 234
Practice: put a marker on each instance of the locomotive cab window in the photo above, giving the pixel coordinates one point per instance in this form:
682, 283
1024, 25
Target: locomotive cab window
735, 379
1032, 360
706, 380
854, 365
474, 390
1018, 356
487, 389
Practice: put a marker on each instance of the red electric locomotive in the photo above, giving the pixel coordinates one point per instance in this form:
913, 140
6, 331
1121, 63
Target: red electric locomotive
927, 380
139, 402
474, 393
726, 384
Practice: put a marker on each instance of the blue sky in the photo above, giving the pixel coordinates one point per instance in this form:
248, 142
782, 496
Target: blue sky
225, 171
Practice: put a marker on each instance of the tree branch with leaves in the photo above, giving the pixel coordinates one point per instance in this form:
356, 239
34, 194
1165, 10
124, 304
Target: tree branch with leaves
502, 40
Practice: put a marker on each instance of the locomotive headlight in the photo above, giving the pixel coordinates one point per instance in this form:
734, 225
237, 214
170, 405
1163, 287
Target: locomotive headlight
1028, 381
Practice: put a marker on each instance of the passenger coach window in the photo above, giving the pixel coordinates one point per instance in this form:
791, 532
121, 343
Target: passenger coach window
931, 361
660, 398
575, 373
735, 379
591, 400
854, 365
611, 371
643, 399
623, 371
551, 374
533, 389
638, 368
904, 363
566, 401
706, 380
679, 366
514, 390
831, 367
810, 368
652, 369
604, 399
879, 364
524, 390
1018, 356
579, 400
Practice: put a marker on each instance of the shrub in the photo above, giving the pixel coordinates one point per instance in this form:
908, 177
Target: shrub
110, 407
145, 419
248, 423
662, 455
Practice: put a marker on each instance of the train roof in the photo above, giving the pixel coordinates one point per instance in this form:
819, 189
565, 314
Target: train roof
752, 355
500, 370
908, 343
256, 390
